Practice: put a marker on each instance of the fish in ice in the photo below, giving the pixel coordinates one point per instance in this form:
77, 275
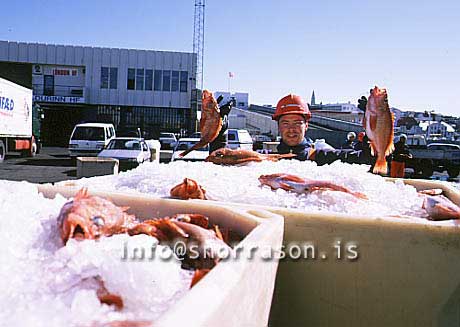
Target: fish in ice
301, 185
225, 156
440, 207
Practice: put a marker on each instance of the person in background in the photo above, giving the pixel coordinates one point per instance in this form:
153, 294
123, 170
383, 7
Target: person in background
400, 155
221, 140
292, 115
350, 142
359, 145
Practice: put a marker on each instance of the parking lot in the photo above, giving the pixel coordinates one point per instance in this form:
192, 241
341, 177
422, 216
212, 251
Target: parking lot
52, 164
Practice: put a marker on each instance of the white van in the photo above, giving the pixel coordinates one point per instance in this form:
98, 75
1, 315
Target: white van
89, 139
239, 139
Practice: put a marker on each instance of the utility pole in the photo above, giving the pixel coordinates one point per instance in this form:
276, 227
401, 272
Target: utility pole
197, 62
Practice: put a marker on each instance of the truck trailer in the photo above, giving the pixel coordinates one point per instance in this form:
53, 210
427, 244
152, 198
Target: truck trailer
16, 120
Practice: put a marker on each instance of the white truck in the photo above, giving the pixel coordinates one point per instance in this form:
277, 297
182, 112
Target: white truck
16, 120
433, 157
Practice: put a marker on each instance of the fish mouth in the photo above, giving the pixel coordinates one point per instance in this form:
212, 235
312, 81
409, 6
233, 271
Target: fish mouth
78, 233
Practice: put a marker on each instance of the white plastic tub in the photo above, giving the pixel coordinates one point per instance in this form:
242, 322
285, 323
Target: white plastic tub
234, 293
407, 273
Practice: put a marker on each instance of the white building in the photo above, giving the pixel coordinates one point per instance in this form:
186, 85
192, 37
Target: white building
130, 88
434, 129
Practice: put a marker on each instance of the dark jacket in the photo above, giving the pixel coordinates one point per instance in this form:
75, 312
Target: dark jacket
301, 150
400, 152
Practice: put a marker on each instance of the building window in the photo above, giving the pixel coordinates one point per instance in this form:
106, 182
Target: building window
157, 80
113, 77
166, 80
175, 81
131, 78
109, 77
104, 77
139, 79
183, 81
148, 79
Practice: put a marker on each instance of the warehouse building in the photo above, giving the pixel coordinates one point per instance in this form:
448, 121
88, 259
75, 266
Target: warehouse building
130, 88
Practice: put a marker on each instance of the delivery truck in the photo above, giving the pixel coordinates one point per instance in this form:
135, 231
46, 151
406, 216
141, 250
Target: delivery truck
16, 120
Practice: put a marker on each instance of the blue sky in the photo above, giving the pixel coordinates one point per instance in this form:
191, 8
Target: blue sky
338, 48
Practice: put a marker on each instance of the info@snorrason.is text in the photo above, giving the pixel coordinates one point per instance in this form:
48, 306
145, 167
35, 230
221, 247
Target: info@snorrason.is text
338, 250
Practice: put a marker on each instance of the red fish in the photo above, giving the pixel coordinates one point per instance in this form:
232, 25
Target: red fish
188, 189
89, 217
227, 156
301, 185
210, 122
439, 207
378, 123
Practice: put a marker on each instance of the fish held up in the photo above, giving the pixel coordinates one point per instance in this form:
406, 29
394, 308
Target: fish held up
378, 123
210, 122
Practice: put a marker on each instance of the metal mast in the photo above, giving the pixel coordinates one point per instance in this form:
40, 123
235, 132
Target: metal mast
197, 61
198, 42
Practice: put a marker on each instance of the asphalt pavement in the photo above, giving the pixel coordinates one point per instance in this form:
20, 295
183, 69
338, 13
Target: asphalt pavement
51, 165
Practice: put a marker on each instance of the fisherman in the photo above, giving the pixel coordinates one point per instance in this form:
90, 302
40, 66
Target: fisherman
222, 138
292, 115
350, 142
400, 156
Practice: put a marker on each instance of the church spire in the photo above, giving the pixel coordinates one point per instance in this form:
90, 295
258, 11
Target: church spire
313, 98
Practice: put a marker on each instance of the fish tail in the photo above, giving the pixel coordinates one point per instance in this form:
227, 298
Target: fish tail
194, 147
380, 166
360, 195
276, 157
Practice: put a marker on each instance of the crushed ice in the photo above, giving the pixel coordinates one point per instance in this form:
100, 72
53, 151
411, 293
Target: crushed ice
43, 283
240, 184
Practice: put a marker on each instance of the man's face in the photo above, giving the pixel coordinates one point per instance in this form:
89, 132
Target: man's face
292, 128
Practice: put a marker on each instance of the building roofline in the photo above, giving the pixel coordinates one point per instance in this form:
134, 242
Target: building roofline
90, 47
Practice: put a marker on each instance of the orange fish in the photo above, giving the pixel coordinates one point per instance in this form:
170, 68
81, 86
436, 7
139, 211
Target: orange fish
225, 156
301, 185
210, 122
378, 123
89, 217
188, 189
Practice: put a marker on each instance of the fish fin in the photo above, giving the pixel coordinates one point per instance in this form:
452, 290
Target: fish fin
124, 208
82, 193
380, 166
276, 157
373, 152
286, 186
360, 195
391, 147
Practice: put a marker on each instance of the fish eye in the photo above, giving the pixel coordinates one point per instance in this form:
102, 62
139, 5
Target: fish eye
98, 220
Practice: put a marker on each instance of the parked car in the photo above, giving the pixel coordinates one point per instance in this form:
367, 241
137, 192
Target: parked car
89, 139
167, 140
130, 151
239, 139
185, 144
427, 158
